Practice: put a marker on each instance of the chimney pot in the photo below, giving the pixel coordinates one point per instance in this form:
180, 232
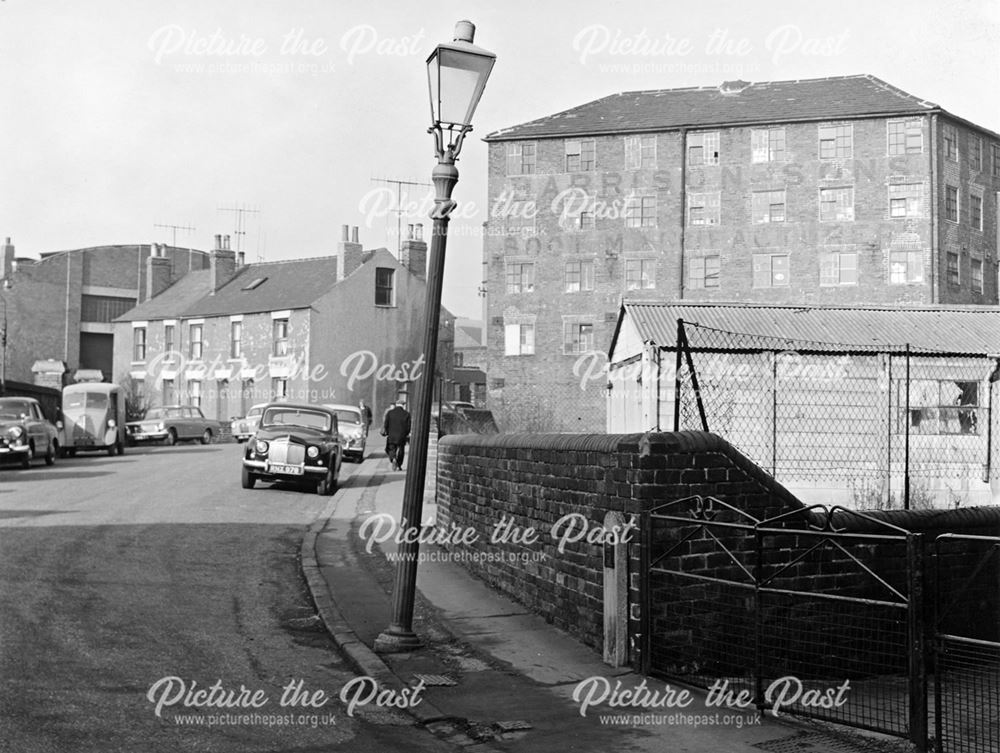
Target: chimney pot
419, 231
218, 242
345, 233
241, 259
354, 234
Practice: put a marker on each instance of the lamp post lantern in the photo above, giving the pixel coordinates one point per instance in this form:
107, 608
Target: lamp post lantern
456, 72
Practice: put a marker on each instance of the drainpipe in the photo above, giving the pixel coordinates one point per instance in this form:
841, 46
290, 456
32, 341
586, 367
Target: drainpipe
683, 198
933, 207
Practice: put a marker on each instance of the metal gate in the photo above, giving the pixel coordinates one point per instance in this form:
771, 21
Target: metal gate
967, 644
819, 603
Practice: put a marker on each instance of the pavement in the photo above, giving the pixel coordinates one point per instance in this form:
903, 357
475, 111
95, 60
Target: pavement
497, 677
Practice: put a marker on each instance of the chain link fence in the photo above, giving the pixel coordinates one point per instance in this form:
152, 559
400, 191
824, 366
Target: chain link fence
870, 426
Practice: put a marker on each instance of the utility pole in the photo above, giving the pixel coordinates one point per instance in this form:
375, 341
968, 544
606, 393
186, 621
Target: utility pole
241, 222
398, 211
175, 228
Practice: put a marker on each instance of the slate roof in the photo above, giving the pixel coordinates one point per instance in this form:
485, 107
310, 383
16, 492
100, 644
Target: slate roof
294, 284
839, 97
953, 330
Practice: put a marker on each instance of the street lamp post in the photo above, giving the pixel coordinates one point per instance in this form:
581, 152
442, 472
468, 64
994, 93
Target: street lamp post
457, 74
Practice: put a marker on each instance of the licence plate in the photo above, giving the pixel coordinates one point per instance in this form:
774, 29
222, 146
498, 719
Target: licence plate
288, 470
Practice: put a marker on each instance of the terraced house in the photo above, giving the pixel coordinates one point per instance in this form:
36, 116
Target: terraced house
833, 191
333, 329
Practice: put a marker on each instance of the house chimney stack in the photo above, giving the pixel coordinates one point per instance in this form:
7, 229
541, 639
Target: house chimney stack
8, 259
157, 271
350, 255
413, 252
241, 259
222, 263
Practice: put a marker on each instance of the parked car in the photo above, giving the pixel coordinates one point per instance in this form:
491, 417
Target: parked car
245, 427
353, 431
295, 442
172, 424
25, 433
93, 418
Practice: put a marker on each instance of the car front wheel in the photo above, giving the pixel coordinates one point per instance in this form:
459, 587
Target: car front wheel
247, 479
206, 436
328, 485
172, 437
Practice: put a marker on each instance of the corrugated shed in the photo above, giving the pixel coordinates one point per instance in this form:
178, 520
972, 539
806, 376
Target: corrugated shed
951, 330
765, 102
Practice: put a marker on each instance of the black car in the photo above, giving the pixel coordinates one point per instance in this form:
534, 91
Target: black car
294, 442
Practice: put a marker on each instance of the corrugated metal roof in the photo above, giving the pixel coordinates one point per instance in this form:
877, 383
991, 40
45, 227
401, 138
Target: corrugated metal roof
952, 330
765, 102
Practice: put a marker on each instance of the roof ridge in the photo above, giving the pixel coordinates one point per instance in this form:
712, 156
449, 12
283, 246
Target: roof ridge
960, 308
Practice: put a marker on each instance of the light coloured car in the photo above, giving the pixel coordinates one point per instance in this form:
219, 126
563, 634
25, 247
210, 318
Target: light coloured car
353, 431
171, 424
245, 427
25, 433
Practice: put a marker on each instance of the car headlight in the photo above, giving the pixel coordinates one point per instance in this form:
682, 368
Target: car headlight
160, 427
313, 452
261, 447
16, 432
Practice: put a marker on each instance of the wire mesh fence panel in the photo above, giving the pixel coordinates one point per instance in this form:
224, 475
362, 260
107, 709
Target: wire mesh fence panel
868, 426
967, 646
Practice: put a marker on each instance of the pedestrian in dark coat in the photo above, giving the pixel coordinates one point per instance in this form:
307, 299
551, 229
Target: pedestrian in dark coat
396, 430
366, 416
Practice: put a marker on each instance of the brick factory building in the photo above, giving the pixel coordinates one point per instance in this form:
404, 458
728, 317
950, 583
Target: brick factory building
829, 191
333, 329
59, 308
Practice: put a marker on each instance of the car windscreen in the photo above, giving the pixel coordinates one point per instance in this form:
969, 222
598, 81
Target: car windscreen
156, 413
76, 402
296, 417
348, 416
10, 409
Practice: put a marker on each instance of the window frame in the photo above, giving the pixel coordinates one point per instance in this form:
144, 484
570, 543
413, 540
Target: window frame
902, 136
709, 200
525, 344
755, 217
976, 280
574, 339
771, 151
950, 204
387, 291
236, 339
697, 141
835, 140
913, 259
280, 328
953, 273
636, 148
838, 257
914, 197
641, 210
976, 211
699, 273
836, 203
139, 344
646, 273
196, 345
949, 139
584, 274
584, 147
525, 165
771, 270
525, 277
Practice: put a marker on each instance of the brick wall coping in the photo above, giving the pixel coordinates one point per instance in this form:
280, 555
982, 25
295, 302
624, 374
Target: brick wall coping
650, 443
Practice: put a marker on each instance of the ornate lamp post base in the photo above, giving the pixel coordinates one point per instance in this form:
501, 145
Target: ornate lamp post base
396, 640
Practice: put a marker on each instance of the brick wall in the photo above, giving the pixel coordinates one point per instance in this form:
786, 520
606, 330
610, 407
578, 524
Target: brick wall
532, 481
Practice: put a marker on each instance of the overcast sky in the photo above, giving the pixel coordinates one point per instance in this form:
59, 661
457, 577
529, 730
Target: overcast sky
117, 116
